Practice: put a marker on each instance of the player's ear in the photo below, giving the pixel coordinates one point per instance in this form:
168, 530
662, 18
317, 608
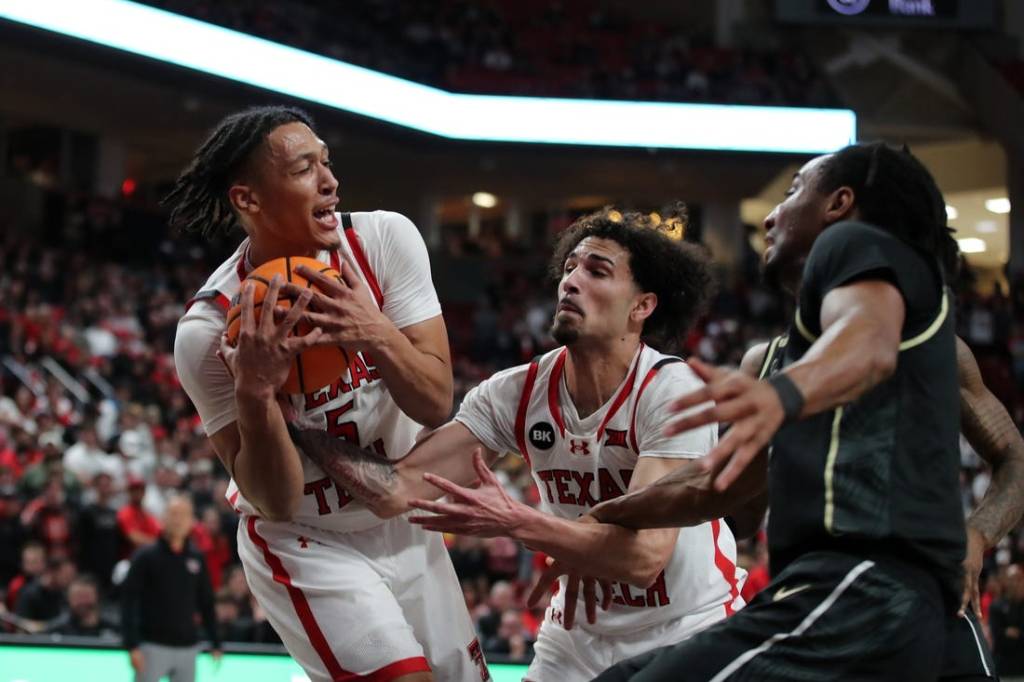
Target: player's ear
841, 205
243, 199
644, 306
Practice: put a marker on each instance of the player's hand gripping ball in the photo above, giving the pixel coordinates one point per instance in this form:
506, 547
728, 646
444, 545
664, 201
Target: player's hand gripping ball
315, 367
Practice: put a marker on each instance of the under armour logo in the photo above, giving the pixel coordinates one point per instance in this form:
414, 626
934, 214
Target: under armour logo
303, 542
579, 447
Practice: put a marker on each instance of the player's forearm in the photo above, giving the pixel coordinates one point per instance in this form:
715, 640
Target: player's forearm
267, 468
837, 370
365, 475
749, 517
420, 383
599, 550
386, 486
1001, 508
684, 497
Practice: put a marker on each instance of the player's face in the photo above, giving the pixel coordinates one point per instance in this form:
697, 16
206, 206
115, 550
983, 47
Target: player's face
794, 224
296, 192
596, 294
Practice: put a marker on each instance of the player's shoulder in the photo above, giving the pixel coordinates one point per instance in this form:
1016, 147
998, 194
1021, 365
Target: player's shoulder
671, 371
199, 329
753, 359
851, 237
382, 222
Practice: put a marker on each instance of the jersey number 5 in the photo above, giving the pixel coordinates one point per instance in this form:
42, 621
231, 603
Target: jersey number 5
348, 430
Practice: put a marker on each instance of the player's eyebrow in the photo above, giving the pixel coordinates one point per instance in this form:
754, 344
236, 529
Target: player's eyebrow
606, 259
310, 155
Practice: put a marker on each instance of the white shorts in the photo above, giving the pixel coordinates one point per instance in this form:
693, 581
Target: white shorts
374, 604
577, 655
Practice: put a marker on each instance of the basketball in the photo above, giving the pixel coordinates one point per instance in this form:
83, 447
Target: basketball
315, 367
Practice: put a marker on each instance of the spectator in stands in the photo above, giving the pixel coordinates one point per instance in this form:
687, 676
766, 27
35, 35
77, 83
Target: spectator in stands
231, 625
98, 533
33, 563
1006, 618
12, 534
138, 527
49, 516
238, 589
86, 458
209, 539
167, 585
501, 599
83, 617
44, 599
512, 639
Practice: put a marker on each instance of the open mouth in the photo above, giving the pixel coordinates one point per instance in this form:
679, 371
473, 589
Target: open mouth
326, 216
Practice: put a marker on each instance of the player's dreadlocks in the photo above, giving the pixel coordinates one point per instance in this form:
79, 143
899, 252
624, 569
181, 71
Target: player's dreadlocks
676, 271
199, 201
894, 191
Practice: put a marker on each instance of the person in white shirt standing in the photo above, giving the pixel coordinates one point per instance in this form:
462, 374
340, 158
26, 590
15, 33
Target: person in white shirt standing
587, 417
352, 597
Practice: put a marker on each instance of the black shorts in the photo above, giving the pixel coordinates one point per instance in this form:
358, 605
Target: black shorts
827, 616
968, 658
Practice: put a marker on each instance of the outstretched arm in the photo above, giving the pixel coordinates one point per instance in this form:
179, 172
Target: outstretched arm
686, 496
991, 432
488, 511
386, 486
834, 370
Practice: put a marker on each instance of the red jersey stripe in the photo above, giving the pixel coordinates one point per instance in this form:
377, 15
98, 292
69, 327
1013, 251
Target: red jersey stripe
726, 566
556, 376
302, 608
524, 403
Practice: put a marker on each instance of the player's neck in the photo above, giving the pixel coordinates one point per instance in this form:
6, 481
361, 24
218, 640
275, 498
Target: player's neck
593, 373
266, 249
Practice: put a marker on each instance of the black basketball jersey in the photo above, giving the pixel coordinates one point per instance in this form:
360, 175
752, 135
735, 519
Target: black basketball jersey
879, 475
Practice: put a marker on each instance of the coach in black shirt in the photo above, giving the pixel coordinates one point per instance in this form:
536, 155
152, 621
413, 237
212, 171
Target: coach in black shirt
166, 585
866, 534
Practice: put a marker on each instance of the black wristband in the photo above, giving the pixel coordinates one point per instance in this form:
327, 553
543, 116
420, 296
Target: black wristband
789, 395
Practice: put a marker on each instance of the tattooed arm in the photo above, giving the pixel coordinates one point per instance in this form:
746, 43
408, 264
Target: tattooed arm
386, 486
992, 433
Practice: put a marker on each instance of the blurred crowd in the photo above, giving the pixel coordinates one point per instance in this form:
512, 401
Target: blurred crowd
569, 48
96, 433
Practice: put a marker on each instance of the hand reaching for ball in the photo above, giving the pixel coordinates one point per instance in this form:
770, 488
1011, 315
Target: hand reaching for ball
344, 309
262, 357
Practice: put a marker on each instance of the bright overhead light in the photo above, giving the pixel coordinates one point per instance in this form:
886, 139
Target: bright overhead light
998, 205
215, 50
971, 244
485, 199
986, 226
951, 212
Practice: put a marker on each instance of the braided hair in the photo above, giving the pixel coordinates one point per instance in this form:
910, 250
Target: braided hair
895, 192
678, 272
198, 200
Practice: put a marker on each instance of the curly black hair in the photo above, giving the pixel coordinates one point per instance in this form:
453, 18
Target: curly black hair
894, 191
677, 272
199, 199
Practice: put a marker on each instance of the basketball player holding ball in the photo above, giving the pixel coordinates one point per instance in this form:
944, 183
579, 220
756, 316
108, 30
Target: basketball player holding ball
349, 594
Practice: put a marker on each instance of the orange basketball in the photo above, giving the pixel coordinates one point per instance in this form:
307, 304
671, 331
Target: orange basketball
315, 367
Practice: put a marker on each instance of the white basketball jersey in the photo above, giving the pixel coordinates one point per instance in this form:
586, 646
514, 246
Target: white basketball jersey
358, 406
578, 463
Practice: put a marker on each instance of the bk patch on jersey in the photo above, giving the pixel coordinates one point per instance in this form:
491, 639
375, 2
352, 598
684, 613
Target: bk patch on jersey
542, 436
